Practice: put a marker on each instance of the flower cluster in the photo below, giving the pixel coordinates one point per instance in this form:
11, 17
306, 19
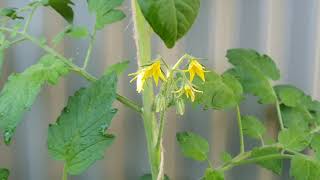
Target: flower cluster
177, 84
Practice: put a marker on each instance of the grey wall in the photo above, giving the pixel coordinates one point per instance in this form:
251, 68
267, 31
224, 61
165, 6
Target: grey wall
288, 30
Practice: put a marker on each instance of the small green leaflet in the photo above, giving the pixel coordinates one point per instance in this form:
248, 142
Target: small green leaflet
254, 72
211, 174
304, 169
294, 139
295, 118
63, 7
193, 146
225, 157
315, 145
76, 32
252, 127
10, 12
106, 12
4, 174
21, 90
218, 92
170, 19
275, 165
118, 68
289, 95
149, 177
78, 137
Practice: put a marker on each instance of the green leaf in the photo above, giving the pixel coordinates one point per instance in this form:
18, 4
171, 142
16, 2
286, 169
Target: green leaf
170, 19
21, 90
119, 68
4, 174
78, 137
252, 127
294, 139
315, 145
254, 72
105, 11
77, 32
295, 118
289, 95
211, 174
304, 169
193, 146
63, 7
275, 165
149, 177
225, 157
218, 92
10, 12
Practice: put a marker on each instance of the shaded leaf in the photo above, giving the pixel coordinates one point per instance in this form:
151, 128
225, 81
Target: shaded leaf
21, 90
170, 19
315, 145
218, 92
304, 169
275, 165
4, 174
10, 12
294, 117
118, 68
78, 137
252, 127
106, 12
294, 139
254, 72
193, 146
63, 7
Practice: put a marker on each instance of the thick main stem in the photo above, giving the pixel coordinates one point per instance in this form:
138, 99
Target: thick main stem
143, 45
65, 173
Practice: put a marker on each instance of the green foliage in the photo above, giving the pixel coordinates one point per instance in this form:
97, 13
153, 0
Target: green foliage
118, 68
106, 12
4, 174
315, 145
193, 146
275, 165
76, 32
63, 7
304, 169
170, 19
21, 90
294, 139
211, 174
10, 12
254, 72
218, 92
225, 157
252, 127
78, 137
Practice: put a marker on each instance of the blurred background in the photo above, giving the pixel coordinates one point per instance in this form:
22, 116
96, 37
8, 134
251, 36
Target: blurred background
287, 30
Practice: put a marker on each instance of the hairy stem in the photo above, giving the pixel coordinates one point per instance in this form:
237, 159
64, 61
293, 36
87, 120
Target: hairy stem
279, 115
89, 52
143, 45
127, 102
64, 173
240, 129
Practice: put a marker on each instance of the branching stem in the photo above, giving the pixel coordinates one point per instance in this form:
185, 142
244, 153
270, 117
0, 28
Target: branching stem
89, 52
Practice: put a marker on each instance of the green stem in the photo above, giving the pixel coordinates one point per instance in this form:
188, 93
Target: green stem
279, 115
143, 45
65, 173
240, 129
89, 52
129, 103
26, 26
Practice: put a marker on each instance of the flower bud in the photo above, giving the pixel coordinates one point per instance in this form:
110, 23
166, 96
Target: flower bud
180, 107
160, 103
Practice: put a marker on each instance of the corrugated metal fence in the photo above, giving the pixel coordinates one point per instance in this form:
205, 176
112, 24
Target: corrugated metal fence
287, 30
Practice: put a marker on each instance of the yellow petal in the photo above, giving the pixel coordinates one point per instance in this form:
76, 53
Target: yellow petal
200, 73
192, 73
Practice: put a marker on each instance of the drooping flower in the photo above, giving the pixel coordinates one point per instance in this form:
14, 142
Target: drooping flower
195, 68
153, 70
189, 91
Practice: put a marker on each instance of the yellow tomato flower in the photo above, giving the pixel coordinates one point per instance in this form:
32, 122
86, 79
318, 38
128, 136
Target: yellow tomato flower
190, 92
196, 68
153, 70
